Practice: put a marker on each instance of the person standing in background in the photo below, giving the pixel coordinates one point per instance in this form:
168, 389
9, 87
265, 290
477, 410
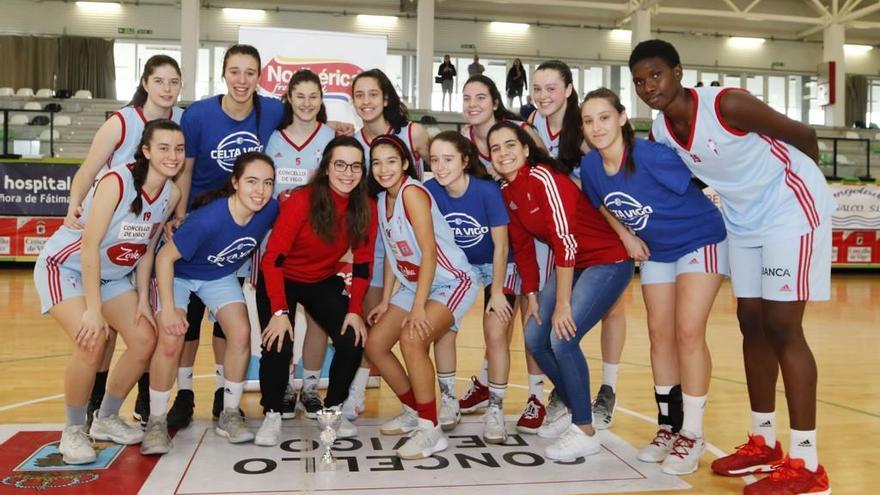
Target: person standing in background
445, 75
476, 68
516, 81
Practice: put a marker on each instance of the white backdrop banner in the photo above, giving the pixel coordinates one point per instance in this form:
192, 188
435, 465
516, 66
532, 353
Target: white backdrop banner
335, 57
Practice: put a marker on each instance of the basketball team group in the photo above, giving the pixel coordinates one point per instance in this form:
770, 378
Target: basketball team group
175, 215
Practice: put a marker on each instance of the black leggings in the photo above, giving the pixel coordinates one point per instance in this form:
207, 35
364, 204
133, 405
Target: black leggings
327, 303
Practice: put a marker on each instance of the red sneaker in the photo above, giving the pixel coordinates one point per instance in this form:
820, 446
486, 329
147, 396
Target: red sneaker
477, 397
532, 416
791, 478
752, 457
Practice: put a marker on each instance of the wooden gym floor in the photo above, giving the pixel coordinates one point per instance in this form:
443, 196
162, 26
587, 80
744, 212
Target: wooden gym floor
844, 335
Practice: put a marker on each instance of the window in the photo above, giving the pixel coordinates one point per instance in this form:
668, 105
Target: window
755, 86
126, 69
817, 113
594, 78
795, 98
873, 116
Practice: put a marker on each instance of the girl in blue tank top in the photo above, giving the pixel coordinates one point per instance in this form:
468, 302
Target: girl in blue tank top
82, 277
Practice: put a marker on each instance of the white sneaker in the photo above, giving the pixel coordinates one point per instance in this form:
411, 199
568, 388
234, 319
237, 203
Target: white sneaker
346, 429
572, 444
354, 404
450, 414
156, 439
659, 448
554, 429
555, 408
114, 429
76, 446
269, 433
405, 421
684, 458
232, 426
494, 429
424, 442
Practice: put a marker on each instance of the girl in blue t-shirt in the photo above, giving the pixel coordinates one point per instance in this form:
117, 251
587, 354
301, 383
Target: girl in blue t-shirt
218, 130
678, 235
474, 209
202, 259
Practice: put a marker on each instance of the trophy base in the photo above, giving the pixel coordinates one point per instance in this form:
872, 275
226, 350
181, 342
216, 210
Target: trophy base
325, 466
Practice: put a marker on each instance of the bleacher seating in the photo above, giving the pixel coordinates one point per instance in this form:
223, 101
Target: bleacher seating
19, 119
83, 94
33, 105
44, 93
24, 92
7, 92
62, 120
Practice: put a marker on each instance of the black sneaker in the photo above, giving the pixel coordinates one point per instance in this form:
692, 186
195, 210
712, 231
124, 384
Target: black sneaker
309, 403
181, 413
142, 405
288, 404
93, 405
603, 407
217, 407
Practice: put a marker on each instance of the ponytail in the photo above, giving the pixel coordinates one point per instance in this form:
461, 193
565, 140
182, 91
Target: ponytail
571, 137
141, 164
140, 94
626, 130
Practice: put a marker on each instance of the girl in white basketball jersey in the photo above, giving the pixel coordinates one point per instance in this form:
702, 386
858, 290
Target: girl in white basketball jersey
437, 287
115, 144
557, 119
777, 208
297, 147
377, 103
83, 280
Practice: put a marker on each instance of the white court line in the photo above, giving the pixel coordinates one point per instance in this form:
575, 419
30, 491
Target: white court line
748, 479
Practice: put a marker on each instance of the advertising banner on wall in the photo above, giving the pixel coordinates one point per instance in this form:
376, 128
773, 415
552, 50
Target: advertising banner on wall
858, 207
32, 188
335, 57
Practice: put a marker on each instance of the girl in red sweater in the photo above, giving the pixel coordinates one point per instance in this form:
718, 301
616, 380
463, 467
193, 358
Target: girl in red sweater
317, 225
592, 270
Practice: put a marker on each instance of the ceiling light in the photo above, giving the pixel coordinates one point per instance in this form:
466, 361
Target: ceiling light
244, 14
508, 27
100, 7
856, 49
745, 42
377, 20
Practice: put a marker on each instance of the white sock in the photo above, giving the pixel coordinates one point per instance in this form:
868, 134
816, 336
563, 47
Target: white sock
663, 390
359, 383
310, 380
447, 383
764, 424
609, 375
497, 391
232, 394
803, 446
219, 381
483, 377
158, 402
536, 386
185, 378
693, 414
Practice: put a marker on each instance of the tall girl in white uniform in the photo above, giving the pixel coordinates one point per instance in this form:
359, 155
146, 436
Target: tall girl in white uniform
297, 147
557, 119
482, 108
437, 288
202, 258
377, 103
114, 144
474, 209
82, 278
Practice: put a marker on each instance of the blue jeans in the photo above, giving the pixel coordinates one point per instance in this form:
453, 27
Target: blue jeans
594, 290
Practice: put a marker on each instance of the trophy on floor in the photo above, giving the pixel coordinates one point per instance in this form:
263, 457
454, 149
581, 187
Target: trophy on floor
328, 419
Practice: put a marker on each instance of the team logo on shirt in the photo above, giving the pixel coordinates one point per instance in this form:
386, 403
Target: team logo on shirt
467, 230
126, 253
713, 147
234, 145
409, 270
238, 250
628, 210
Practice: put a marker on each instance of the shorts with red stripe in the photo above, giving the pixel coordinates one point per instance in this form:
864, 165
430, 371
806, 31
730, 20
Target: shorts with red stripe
458, 297
711, 258
56, 283
784, 269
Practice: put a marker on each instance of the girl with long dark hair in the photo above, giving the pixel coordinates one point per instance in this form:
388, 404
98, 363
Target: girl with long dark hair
437, 288
592, 270
202, 258
317, 225
83, 280
678, 236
